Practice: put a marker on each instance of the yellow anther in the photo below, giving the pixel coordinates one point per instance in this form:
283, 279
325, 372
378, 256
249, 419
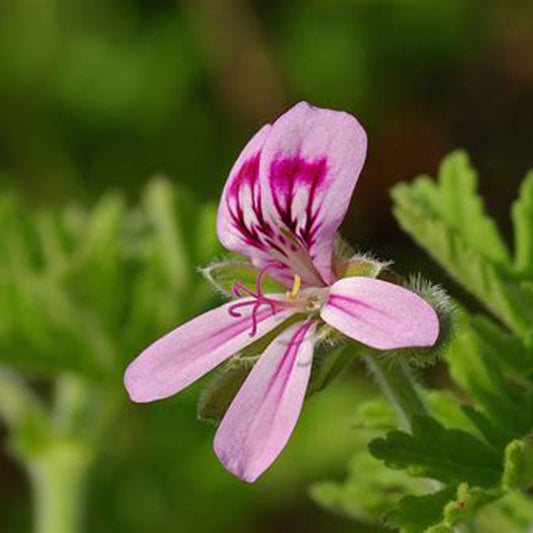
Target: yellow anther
295, 287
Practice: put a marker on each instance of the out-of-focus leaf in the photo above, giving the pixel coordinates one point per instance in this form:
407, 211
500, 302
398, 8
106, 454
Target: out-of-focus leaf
518, 466
368, 493
522, 212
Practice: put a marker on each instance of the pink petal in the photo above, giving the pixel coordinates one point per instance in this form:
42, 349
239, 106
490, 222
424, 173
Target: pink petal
309, 166
380, 314
289, 190
262, 416
240, 216
182, 356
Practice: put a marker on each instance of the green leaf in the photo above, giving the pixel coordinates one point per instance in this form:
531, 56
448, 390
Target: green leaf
485, 427
415, 514
522, 213
518, 466
162, 204
370, 491
375, 414
451, 456
447, 219
502, 348
475, 364
454, 200
95, 274
467, 502
440, 511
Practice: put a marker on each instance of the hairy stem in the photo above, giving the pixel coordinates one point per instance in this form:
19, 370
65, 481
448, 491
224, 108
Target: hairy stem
398, 386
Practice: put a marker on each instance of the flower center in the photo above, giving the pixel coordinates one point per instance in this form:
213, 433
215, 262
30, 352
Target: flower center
307, 300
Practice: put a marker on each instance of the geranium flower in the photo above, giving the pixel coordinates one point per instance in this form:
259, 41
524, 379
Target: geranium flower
281, 207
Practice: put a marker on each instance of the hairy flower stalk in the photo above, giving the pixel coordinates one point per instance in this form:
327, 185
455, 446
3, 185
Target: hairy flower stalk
281, 207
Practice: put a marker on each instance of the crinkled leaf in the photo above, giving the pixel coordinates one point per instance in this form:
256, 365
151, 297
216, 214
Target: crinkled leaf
448, 220
415, 514
474, 361
518, 466
485, 427
447, 455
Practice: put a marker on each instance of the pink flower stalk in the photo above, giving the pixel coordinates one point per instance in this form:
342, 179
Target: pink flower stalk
281, 207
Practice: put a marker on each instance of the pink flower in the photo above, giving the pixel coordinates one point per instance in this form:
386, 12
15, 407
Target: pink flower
281, 207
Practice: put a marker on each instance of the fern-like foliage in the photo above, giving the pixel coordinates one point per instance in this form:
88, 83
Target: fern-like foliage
474, 448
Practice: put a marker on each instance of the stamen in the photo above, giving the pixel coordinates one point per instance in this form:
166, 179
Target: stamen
239, 290
295, 291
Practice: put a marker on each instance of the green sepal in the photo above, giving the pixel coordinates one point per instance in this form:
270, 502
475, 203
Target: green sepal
222, 275
328, 363
224, 385
362, 265
222, 388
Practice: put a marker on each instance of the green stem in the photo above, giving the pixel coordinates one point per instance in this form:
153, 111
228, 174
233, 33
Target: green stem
59, 451
58, 480
398, 386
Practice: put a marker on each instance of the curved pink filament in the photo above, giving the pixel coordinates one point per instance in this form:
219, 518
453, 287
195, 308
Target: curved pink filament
259, 299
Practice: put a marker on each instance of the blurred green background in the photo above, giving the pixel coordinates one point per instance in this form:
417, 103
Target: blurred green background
100, 95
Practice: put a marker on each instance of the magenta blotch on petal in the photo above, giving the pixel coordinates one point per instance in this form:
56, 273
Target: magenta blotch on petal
182, 356
289, 190
380, 314
240, 221
310, 163
262, 416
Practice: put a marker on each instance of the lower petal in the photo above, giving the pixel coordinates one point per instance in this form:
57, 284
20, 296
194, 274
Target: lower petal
185, 354
261, 418
380, 314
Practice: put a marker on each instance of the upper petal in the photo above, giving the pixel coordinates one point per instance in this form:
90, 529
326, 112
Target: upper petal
262, 416
309, 166
177, 359
289, 190
240, 220
380, 314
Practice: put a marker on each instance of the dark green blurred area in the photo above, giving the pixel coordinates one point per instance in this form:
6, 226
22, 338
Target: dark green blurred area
103, 95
